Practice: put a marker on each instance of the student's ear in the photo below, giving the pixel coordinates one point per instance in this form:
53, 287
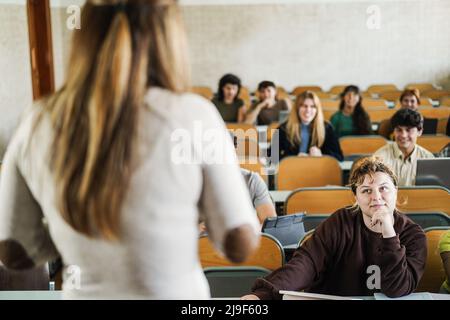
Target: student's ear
419, 133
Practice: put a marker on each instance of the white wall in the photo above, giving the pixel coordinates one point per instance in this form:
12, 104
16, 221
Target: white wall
15, 82
321, 43
291, 42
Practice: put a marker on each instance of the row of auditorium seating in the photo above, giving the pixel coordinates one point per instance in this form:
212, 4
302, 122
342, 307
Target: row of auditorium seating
387, 92
351, 145
325, 200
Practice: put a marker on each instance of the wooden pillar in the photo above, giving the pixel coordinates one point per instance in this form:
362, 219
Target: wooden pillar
41, 48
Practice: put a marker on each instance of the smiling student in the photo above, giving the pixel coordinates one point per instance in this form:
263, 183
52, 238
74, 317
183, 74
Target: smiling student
339, 257
401, 156
306, 133
409, 99
267, 109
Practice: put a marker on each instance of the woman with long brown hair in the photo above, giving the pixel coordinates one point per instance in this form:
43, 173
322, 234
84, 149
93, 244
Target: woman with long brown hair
99, 161
351, 119
306, 133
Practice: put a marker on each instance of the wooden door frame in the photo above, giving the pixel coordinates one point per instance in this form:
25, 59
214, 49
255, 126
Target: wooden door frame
41, 47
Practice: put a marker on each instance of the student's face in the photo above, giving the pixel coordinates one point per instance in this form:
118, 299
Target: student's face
351, 99
307, 111
230, 91
410, 102
267, 93
376, 192
406, 138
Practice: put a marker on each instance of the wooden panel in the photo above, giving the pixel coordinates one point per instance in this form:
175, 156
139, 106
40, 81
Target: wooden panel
432, 143
325, 201
435, 113
299, 172
442, 126
300, 89
337, 90
374, 103
391, 95
205, 92
269, 255
361, 144
420, 86
416, 199
379, 88
319, 201
434, 274
380, 115
41, 48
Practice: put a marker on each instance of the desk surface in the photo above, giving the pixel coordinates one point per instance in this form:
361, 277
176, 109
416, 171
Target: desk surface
57, 295
279, 195
345, 166
31, 295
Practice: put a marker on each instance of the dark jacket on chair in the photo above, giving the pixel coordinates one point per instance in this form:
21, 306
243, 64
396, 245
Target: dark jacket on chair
330, 146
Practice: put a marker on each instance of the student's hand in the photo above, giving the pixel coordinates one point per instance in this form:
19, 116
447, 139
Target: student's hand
315, 152
267, 103
250, 297
202, 227
263, 105
385, 219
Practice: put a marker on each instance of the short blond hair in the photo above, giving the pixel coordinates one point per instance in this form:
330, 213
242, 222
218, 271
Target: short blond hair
368, 166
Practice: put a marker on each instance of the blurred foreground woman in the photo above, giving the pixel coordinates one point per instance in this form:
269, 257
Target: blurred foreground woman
96, 173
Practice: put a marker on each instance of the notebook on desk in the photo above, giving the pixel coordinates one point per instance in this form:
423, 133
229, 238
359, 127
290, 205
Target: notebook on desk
412, 296
295, 295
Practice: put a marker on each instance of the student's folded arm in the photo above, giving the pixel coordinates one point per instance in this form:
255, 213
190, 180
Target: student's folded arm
302, 271
261, 198
242, 111
402, 264
252, 113
24, 238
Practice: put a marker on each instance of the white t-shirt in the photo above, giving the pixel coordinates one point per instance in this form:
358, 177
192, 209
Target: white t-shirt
157, 257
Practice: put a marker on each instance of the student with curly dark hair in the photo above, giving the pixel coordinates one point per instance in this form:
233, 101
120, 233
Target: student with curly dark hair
227, 101
401, 156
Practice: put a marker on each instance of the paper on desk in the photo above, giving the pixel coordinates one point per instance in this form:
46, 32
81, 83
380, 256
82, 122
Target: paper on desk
295, 295
412, 296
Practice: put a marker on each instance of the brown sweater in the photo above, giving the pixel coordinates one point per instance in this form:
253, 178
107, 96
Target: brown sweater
269, 115
335, 259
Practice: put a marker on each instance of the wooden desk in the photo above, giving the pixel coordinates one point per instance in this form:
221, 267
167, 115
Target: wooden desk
31, 295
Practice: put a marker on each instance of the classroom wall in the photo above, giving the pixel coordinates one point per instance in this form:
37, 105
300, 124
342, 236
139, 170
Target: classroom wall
306, 42
322, 43
295, 42
15, 84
